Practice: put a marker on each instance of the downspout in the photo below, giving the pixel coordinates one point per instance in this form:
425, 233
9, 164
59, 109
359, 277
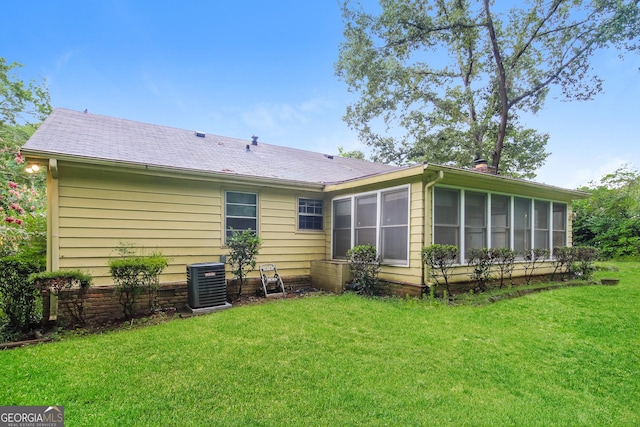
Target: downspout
53, 236
427, 202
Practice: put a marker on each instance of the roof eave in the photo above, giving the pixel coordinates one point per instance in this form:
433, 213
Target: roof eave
31, 155
487, 177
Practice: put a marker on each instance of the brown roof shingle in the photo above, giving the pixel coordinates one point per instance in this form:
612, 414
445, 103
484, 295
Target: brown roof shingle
92, 136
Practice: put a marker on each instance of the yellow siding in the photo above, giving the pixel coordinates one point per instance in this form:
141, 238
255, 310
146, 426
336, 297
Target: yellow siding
184, 219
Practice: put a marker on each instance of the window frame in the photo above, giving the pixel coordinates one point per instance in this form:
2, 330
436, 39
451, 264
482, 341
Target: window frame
227, 229
310, 214
353, 198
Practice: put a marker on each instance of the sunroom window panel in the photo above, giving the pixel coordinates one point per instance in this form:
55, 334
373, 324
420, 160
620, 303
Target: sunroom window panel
341, 243
500, 221
366, 236
446, 207
475, 220
394, 246
341, 228
395, 208
366, 211
522, 224
446, 215
366, 220
395, 226
559, 224
541, 221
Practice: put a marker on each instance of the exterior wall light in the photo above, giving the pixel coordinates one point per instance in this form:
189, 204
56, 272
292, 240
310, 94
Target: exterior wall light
32, 168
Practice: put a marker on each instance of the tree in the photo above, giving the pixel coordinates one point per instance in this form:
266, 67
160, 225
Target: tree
355, 154
447, 79
243, 251
22, 195
610, 219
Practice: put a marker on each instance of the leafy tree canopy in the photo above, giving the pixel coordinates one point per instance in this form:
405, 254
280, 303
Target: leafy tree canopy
22, 196
610, 219
445, 81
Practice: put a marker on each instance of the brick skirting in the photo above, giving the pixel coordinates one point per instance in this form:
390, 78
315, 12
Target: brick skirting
102, 305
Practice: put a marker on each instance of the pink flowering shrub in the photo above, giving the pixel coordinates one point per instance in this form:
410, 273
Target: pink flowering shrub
22, 207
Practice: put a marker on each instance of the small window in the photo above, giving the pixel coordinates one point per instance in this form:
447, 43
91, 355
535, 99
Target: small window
241, 212
310, 214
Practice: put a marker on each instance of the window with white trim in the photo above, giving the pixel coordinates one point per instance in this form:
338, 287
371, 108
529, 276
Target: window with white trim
240, 212
310, 214
380, 219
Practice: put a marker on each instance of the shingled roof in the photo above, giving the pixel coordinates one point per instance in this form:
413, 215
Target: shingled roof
88, 137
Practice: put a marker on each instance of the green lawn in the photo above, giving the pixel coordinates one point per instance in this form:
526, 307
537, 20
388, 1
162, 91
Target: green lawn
563, 357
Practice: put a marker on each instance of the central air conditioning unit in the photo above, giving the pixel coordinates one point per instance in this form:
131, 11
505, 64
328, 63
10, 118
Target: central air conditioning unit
206, 286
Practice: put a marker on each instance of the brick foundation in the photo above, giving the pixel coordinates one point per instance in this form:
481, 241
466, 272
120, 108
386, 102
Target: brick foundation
102, 305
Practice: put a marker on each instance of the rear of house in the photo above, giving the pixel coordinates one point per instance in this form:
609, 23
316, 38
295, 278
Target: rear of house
114, 182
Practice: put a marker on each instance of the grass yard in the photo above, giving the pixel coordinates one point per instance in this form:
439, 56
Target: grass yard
563, 357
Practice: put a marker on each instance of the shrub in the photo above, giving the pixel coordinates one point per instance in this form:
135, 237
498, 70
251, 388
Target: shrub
563, 257
132, 274
584, 258
481, 261
532, 258
364, 265
243, 250
440, 259
70, 286
19, 297
504, 259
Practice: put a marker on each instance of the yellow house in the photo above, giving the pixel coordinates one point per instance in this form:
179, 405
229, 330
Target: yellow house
113, 181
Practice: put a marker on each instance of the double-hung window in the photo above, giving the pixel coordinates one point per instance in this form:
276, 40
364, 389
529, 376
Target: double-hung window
241, 212
310, 214
380, 219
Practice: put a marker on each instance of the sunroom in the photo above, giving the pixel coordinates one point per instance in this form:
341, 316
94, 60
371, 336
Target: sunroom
403, 211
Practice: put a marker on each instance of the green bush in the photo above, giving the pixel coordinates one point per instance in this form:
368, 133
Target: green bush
440, 259
585, 257
70, 286
364, 265
532, 259
132, 274
243, 250
504, 259
18, 296
480, 260
563, 257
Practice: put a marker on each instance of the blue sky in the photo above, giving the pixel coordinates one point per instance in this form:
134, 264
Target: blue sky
265, 68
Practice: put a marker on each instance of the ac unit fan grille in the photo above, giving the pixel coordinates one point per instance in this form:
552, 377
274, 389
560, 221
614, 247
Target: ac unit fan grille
207, 286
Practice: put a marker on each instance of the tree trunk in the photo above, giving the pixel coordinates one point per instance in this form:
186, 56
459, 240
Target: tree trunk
502, 90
